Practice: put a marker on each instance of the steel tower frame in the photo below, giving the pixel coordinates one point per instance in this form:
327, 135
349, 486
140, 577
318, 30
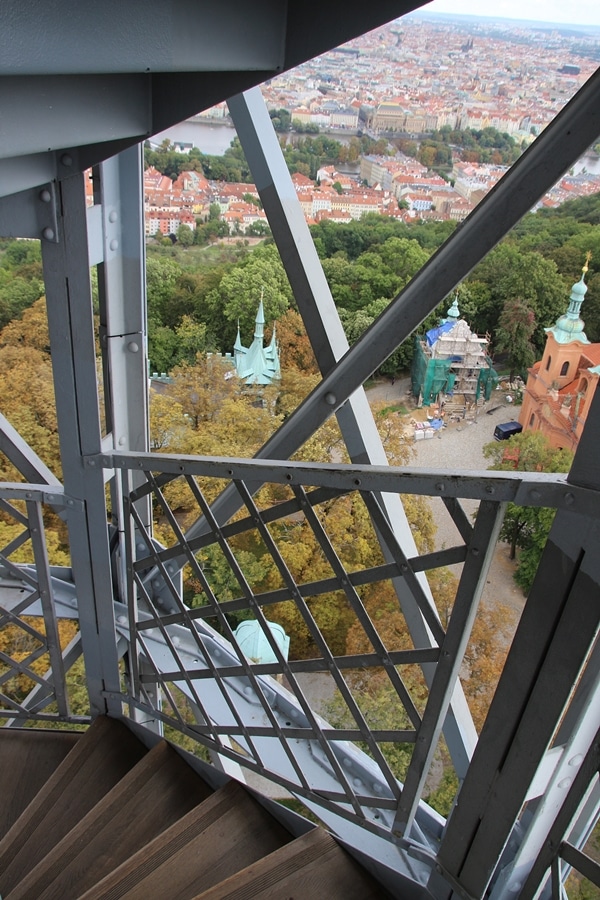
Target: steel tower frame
529, 793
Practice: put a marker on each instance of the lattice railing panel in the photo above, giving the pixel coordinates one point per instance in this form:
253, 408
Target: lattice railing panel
36, 648
294, 561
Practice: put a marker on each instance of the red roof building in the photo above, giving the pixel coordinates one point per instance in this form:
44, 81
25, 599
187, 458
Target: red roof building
561, 385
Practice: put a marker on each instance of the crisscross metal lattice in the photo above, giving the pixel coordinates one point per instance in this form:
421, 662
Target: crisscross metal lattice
32, 663
239, 710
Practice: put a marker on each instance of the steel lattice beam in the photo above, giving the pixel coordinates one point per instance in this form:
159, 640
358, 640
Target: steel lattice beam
329, 343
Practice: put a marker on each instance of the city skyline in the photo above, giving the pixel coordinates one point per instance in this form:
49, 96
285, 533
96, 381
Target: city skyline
585, 12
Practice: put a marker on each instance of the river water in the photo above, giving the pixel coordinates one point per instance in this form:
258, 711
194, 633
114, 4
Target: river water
208, 137
589, 162
214, 138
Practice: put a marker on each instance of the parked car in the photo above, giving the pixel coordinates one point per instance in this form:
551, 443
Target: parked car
506, 430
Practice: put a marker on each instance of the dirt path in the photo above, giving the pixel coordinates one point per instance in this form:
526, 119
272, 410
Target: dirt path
460, 446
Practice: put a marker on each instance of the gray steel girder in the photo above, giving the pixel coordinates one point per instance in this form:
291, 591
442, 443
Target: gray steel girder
329, 343
94, 79
555, 636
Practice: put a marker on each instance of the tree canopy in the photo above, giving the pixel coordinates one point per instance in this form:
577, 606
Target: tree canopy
526, 528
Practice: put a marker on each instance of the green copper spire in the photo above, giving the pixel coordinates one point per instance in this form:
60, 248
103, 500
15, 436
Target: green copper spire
454, 312
569, 327
257, 364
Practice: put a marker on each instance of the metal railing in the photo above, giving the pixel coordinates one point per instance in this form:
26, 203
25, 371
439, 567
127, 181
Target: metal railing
181, 650
183, 665
34, 656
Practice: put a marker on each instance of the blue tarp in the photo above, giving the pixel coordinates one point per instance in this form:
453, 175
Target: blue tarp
436, 333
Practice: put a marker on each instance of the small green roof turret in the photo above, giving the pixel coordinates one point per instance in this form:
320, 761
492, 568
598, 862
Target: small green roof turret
257, 364
569, 327
453, 314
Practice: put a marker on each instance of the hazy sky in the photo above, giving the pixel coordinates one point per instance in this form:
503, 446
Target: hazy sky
585, 12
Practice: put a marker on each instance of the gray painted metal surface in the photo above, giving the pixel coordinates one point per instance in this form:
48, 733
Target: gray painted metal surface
512, 800
93, 80
149, 36
71, 327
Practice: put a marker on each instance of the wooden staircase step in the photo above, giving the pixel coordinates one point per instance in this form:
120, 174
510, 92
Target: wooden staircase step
98, 760
28, 758
222, 835
312, 866
152, 796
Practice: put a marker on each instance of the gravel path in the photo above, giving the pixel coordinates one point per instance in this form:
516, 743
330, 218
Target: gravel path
460, 446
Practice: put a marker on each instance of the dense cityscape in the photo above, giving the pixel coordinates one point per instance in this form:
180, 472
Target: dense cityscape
415, 88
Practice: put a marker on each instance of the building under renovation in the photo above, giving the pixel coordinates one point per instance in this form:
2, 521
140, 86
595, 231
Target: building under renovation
98, 802
451, 362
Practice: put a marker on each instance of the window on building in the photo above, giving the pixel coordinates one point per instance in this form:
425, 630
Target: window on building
583, 386
548, 362
564, 368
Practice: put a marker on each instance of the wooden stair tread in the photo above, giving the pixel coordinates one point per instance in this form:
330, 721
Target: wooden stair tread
28, 758
312, 866
153, 795
222, 835
99, 759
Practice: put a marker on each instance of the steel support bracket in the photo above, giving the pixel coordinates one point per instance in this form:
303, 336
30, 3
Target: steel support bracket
30, 214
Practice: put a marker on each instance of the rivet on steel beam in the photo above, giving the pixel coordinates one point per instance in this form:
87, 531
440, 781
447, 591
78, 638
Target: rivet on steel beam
45, 196
440, 486
569, 499
535, 495
66, 159
133, 347
114, 244
48, 234
475, 551
330, 399
113, 215
490, 489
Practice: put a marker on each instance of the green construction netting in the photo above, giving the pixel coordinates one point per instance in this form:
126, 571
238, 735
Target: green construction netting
430, 377
419, 367
486, 382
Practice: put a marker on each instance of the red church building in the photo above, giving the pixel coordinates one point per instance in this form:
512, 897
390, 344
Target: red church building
561, 385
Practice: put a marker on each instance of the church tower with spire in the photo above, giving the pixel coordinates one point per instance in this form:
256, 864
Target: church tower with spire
561, 385
257, 364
